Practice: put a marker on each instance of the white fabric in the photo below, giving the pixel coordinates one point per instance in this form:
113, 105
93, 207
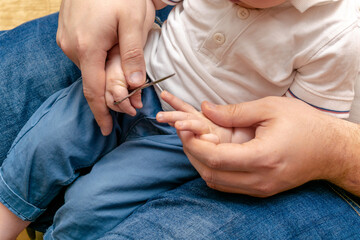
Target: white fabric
355, 108
303, 5
171, 2
227, 54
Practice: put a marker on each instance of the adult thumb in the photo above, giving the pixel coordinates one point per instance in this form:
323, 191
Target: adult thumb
236, 115
131, 45
133, 65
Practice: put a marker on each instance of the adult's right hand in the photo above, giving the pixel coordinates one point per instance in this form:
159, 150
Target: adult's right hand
88, 30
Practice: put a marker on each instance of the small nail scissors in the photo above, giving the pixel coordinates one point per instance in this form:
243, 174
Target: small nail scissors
145, 85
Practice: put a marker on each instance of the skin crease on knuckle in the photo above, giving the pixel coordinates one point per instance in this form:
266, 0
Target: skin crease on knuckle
214, 162
62, 43
90, 96
208, 175
217, 187
264, 191
82, 47
132, 55
262, 186
270, 161
234, 111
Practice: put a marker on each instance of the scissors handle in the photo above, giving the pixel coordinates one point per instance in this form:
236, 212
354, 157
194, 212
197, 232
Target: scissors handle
147, 84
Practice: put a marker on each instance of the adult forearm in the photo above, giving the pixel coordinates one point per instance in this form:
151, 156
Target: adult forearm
345, 154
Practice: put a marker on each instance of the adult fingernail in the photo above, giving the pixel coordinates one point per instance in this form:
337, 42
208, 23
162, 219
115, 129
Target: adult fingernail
106, 130
210, 105
179, 124
136, 78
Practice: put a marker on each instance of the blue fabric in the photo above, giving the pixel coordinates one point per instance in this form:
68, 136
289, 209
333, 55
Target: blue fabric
32, 67
138, 160
163, 13
193, 211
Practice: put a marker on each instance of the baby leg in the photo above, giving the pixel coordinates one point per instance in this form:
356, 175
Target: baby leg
150, 160
119, 183
61, 138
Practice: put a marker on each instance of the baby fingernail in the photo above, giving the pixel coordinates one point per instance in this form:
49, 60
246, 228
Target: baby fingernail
160, 116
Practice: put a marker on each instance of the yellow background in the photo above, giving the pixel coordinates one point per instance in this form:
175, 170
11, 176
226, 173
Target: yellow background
15, 12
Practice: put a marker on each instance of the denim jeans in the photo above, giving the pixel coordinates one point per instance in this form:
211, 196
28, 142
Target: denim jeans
316, 210
138, 160
32, 68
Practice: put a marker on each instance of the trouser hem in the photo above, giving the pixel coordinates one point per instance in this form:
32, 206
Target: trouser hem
21, 208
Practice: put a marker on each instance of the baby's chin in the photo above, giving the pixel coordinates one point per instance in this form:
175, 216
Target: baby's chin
240, 3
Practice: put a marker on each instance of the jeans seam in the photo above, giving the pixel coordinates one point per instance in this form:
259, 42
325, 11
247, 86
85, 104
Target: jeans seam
347, 199
151, 140
24, 218
131, 128
70, 179
51, 192
126, 135
3, 33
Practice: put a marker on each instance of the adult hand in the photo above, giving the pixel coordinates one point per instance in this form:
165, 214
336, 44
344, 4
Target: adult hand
294, 143
88, 30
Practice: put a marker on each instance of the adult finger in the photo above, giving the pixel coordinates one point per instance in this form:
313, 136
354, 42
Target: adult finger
238, 190
250, 183
210, 137
239, 115
93, 72
226, 181
131, 42
249, 155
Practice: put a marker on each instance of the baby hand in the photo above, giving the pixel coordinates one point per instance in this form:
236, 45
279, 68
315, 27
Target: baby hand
187, 118
117, 87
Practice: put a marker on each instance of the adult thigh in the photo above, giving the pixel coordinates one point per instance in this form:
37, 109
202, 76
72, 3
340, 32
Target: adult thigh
32, 67
316, 210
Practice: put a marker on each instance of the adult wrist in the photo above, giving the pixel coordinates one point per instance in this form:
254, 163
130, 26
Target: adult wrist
344, 153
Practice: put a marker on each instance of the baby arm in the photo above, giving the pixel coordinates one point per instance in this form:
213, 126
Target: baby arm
187, 118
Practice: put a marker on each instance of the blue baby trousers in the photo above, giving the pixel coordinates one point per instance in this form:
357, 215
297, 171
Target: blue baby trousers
107, 177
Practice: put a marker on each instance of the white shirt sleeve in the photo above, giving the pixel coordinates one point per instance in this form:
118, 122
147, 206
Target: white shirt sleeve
326, 81
171, 2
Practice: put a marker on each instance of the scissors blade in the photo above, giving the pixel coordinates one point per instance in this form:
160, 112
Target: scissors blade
142, 87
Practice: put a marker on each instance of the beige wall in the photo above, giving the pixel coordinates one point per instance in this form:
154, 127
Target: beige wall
15, 12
